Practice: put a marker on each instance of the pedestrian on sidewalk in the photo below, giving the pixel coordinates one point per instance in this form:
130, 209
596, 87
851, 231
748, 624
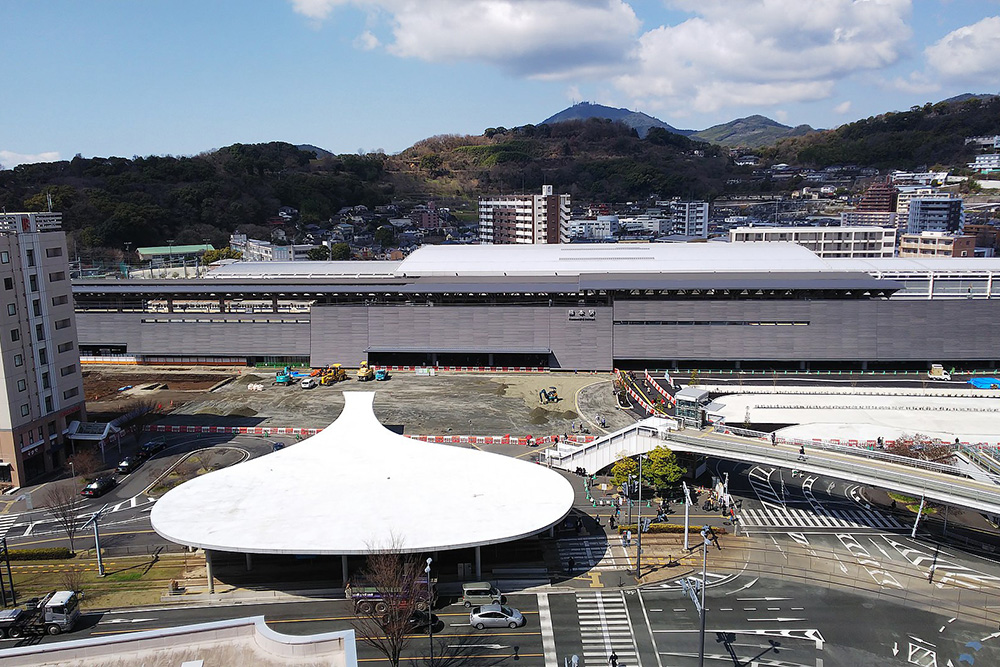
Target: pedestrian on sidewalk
570, 565
802, 452
613, 659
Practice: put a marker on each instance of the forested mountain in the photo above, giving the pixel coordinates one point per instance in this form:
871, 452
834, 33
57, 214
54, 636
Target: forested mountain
750, 132
637, 120
933, 134
107, 202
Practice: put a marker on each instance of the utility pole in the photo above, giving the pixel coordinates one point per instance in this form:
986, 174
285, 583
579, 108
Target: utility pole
638, 549
704, 584
97, 538
687, 513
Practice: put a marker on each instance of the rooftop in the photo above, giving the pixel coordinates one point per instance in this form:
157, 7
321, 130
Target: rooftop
383, 478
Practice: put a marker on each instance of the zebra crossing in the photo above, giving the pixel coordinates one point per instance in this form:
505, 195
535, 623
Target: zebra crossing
591, 553
605, 627
787, 517
6, 521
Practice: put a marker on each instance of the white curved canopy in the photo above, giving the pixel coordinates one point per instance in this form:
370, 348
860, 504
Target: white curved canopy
357, 486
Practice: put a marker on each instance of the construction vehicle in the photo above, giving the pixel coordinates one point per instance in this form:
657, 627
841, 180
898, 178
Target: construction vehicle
283, 377
369, 599
53, 614
365, 372
381, 375
937, 372
319, 372
548, 396
334, 374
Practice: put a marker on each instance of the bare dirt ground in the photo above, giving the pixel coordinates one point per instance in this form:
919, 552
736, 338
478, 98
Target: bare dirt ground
459, 403
105, 386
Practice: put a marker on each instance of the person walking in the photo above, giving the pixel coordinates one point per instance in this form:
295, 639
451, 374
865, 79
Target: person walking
570, 565
613, 659
802, 452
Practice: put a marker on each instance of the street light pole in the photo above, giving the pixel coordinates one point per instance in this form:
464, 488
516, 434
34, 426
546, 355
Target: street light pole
704, 581
687, 513
97, 539
72, 469
638, 526
430, 615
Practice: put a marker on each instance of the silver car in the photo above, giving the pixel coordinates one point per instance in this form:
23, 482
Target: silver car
495, 616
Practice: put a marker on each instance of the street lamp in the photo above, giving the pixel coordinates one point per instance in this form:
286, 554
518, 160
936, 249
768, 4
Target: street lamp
430, 614
72, 469
704, 580
638, 525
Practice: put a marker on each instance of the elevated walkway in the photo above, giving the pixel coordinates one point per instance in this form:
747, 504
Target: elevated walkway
934, 481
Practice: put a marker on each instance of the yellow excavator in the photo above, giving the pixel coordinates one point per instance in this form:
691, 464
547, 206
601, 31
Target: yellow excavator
332, 375
365, 372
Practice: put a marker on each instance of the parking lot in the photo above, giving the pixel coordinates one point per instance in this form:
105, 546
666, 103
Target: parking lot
446, 403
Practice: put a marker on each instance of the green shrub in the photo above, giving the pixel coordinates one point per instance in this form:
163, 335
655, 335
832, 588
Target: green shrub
49, 553
670, 528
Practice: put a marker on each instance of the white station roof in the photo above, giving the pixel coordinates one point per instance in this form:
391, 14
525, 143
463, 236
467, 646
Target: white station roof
357, 486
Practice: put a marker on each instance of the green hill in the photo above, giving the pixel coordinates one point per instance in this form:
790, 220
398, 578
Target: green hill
933, 134
750, 132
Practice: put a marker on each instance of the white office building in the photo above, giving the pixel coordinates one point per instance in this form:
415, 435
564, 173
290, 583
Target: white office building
601, 227
42, 388
986, 164
255, 250
690, 218
848, 242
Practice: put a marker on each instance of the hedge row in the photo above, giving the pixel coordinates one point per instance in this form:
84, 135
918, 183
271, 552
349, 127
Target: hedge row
670, 528
50, 553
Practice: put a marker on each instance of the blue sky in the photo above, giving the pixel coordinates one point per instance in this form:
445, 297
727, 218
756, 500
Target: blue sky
178, 77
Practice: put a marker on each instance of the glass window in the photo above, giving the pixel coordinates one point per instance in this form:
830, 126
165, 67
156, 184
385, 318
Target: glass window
15, 335
53, 252
45, 380
33, 282
48, 404
70, 393
65, 347
4, 257
30, 254
67, 370
62, 324
39, 331
25, 410
11, 309
22, 385
8, 283
18, 360
60, 300
36, 307
43, 356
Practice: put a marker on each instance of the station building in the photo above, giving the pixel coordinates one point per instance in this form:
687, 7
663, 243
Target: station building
561, 306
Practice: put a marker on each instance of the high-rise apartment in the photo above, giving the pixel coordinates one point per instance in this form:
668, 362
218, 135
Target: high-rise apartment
690, 218
935, 214
542, 218
42, 388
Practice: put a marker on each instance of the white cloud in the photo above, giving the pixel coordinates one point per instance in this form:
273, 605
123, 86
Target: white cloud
781, 115
366, 41
764, 52
10, 159
843, 107
969, 53
573, 94
533, 38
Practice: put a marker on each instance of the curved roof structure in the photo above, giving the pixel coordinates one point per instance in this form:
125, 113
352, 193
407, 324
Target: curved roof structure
357, 486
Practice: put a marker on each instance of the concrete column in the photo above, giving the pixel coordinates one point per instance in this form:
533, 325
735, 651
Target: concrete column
343, 569
209, 573
552, 531
489, 362
479, 564
249, 562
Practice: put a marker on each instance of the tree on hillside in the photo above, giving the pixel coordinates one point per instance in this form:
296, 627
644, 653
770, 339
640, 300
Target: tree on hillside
210, 256
340, 252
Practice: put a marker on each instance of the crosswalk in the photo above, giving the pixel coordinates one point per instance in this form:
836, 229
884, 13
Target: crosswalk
787, 517
605, 627
6, 521
591, 553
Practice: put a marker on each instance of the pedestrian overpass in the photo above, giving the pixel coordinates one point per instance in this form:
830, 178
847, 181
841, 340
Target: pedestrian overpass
922, 479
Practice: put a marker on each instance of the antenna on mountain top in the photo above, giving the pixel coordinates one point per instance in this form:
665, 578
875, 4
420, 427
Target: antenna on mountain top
48, 197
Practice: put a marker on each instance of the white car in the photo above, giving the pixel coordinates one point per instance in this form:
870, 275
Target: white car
495, 616
309, 383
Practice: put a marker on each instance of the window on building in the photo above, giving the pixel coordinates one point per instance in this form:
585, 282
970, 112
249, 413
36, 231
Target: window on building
53, 252
22, 385
48, 404
57, 276
62, 324
33, 282
18, 360
8, 283
41, 433
4, 257
60, 300
67, 370
65, 347
43, 356
30, 254
11, 309
25, 410
52, 429
39, 331
36, 307
45, 380
70, 393
15, 335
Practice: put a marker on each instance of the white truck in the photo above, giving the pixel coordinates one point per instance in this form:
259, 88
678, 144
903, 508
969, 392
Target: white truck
937, 372
57, 612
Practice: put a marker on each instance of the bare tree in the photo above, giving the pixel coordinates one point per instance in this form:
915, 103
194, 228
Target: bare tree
63, 503
85, 462
390, 587
920, 446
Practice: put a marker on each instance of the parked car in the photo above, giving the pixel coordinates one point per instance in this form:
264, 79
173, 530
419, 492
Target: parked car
309, 383
480, 592
99, 487
495, 616
421, 621
131, 462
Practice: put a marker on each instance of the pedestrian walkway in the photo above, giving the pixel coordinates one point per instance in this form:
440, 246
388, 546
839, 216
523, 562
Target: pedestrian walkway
605, 627
591, 553
771, 517
6, 521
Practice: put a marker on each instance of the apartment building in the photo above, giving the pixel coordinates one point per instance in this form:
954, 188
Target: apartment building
937, 244
690, 218
525, 219
42, 388
849, 242
601, 227
255, 250
868, 219
935, 214
986, 164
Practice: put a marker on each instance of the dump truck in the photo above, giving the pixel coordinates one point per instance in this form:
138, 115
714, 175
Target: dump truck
365, 372
57, 612
937, 372
370, 599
